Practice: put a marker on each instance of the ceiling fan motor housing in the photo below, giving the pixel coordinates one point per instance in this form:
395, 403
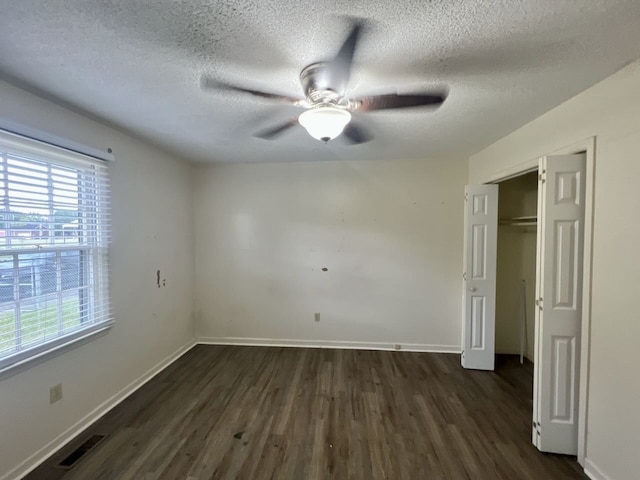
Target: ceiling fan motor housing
316, 84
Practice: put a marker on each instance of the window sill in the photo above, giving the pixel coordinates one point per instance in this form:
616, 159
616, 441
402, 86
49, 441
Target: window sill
55, 350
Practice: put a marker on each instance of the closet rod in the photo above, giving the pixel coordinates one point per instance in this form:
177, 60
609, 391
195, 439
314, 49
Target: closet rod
526, 218
519, 221
519, 224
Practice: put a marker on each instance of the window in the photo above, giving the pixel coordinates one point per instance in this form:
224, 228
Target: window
54, 230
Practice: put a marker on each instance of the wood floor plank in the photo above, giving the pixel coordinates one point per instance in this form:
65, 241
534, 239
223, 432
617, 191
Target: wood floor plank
227, 412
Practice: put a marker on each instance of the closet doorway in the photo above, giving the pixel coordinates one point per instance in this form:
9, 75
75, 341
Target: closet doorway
516, 266
524, 245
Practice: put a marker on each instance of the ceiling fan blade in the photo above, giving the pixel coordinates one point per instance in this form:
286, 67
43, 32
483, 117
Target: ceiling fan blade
356, 135
208, 83
273, 132
339, 69
392, 101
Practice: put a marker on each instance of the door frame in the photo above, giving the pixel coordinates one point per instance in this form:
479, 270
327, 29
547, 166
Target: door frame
588, 146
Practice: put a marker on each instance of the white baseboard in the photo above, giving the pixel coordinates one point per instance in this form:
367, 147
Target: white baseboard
336, 344
593, 472
65, 437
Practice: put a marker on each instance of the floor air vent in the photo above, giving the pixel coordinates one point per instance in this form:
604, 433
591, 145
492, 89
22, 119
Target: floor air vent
80, 452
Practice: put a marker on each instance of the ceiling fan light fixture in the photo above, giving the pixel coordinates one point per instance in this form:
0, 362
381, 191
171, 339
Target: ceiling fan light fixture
324, 122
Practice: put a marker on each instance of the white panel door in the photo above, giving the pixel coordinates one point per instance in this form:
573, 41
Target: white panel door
559, 299
479, 297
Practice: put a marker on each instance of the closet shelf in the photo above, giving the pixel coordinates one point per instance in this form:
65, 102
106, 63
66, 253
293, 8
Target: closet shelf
525, 221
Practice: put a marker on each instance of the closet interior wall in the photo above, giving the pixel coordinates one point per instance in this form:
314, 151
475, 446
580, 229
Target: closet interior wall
516, 261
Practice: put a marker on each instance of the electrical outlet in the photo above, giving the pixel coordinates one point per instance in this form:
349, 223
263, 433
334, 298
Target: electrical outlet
316, 317
397, 346
55, 393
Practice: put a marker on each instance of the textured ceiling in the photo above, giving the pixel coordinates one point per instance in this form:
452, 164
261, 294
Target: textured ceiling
137, 64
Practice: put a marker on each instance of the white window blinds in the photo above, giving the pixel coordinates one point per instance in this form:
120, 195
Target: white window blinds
54, 235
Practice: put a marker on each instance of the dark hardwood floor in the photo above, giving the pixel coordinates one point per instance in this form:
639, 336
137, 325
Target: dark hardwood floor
287, 413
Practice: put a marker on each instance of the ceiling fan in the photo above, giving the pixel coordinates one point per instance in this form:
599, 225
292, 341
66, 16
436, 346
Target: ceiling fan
327, 107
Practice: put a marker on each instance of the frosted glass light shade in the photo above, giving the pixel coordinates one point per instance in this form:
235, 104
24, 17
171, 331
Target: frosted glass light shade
325, 122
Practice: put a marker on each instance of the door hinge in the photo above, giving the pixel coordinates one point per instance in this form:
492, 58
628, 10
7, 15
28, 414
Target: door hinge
466, 197
542, 177
464, 275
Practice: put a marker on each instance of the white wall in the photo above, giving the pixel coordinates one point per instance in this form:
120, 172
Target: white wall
610, 111
389, 233
152, 229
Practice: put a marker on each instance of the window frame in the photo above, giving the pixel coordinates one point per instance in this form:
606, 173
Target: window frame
57, 155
